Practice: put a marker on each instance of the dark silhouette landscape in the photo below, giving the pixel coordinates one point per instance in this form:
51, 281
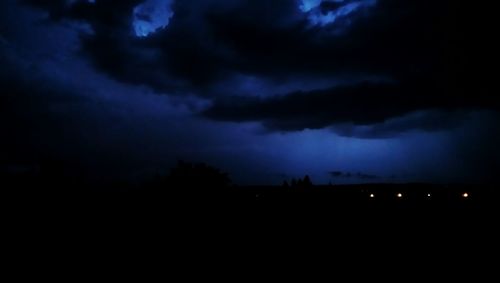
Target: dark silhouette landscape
303, 126
201, 187
195, 207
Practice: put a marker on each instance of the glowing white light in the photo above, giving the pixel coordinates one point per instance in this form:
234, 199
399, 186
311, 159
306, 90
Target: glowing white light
428, 195
465, 195
400, 195
372, 195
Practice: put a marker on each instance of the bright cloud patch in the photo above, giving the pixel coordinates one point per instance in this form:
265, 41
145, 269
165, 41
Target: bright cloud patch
151, 15
308, 5
326, 12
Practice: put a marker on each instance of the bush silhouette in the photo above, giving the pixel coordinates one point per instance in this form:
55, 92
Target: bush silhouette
300, 183
307, 181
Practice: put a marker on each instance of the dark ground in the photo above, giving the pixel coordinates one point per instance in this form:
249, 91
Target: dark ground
319, 201
298, 224
201, 190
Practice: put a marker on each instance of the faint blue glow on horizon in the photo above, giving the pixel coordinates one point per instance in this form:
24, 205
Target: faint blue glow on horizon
317, 17
150, 16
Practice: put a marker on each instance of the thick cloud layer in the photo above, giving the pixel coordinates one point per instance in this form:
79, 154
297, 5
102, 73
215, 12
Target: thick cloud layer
275, 88
418, 48
362, 104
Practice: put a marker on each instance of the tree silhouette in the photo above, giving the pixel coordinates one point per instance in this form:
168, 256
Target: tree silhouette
307, 182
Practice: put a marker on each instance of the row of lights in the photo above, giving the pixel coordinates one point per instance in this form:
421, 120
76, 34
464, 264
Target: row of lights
400, 195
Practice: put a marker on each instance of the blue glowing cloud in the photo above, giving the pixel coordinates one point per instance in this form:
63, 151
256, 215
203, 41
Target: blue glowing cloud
344, 8
308, 5
151, 15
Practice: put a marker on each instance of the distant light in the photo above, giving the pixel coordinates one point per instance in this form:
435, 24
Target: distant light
428, 195
465, 195
400, 195
372, 195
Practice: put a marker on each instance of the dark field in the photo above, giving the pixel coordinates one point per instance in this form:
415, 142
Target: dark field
257, 219
249, 200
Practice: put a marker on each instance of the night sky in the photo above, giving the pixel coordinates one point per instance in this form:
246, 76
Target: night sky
347, 91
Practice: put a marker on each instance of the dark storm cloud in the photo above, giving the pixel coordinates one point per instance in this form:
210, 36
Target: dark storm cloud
206, 42
420, 46
362, 104
427, 121
26, 119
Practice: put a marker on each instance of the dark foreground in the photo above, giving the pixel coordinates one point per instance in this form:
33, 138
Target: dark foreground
255, 221
319, 201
